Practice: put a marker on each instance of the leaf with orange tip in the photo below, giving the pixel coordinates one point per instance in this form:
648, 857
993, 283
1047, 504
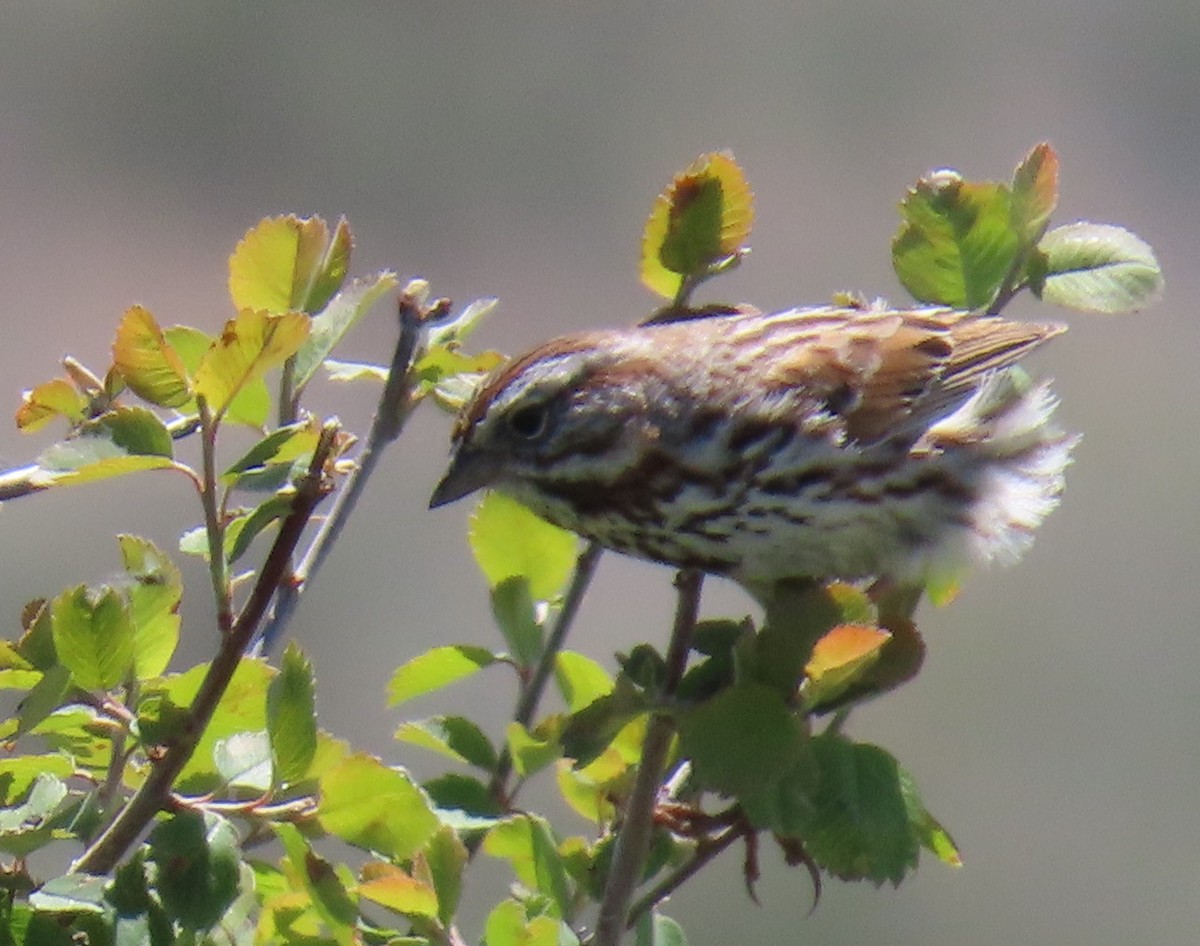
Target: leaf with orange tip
1034, 193
840, 658
145, 359
287, 264
251, 344
399, 892
51, 399
700, 221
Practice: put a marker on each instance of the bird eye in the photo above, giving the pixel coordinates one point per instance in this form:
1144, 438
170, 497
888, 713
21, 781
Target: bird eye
529, 423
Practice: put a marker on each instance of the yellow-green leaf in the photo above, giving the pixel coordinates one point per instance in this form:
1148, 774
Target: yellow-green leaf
375, 807
93, 636
702, 218
840, 658
391, 887
251, 405
509, 541
145, 359
252, 343
153, 604
286, 264
1034, 193
51, 399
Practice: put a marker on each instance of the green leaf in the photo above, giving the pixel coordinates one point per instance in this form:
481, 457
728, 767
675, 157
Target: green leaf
532, 750
456, 737
286, 264
515, 614
45, 795
147, 362
154, 599
46, 696
527, 843
197, 867
462, 801
242, 530
252, 344
654, 929
250, 406
957, 242
932, 836
51, 399
327, 890
580, 679
292, 716
280, 447
702, 218
741, 740
244, 760
847, 801
509, 925
445, 859
1034, 194
509, 541
122, 440
592, 729
71, 893
840, 660
1099, 268
93, 635
436, 668
375, 807
348, 371
338, 317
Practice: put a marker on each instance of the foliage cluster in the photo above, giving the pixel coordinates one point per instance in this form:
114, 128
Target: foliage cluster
162, 783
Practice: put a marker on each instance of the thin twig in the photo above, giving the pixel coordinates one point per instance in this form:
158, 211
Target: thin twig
706, 850
116, 839
531, 693
633, 839
394, 408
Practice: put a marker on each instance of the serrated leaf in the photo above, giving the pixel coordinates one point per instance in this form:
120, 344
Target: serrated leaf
19, 773
244, 760
336, 319
436, 668
957, 242
509, 541
292, 716
456, 737
464, 802
741, 739
120, 441
146, 361
533, 749
55, 398
1099, 268
71, 893
349, 371
326, 888
197, 867
527, 843
702, 218
1034, 193
396, 890
154, 599
443, 861
93, 636
932, 836
244, 529
287, 264
251, 344
375, 807
46, 696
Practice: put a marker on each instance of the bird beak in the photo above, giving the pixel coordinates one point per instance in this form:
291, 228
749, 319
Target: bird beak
469, 471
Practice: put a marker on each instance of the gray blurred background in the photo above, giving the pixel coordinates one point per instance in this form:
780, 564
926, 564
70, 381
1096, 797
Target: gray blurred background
513, 150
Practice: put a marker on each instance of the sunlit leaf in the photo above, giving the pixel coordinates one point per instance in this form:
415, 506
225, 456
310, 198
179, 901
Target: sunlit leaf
533, 749
93, 635
337, 318
528, 844
515, 612
580, 679
244, 760
282, 446
456, 737
932, 836
509, 541
443, 861
147, 362
400, 892
1100, 268
349, 371
251, 344
327, 888
51, 399
289, 264
18, 773
292, 716
154, 599
375, 807
702, 218
840, 658
957, 241
250, 406
436, 668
